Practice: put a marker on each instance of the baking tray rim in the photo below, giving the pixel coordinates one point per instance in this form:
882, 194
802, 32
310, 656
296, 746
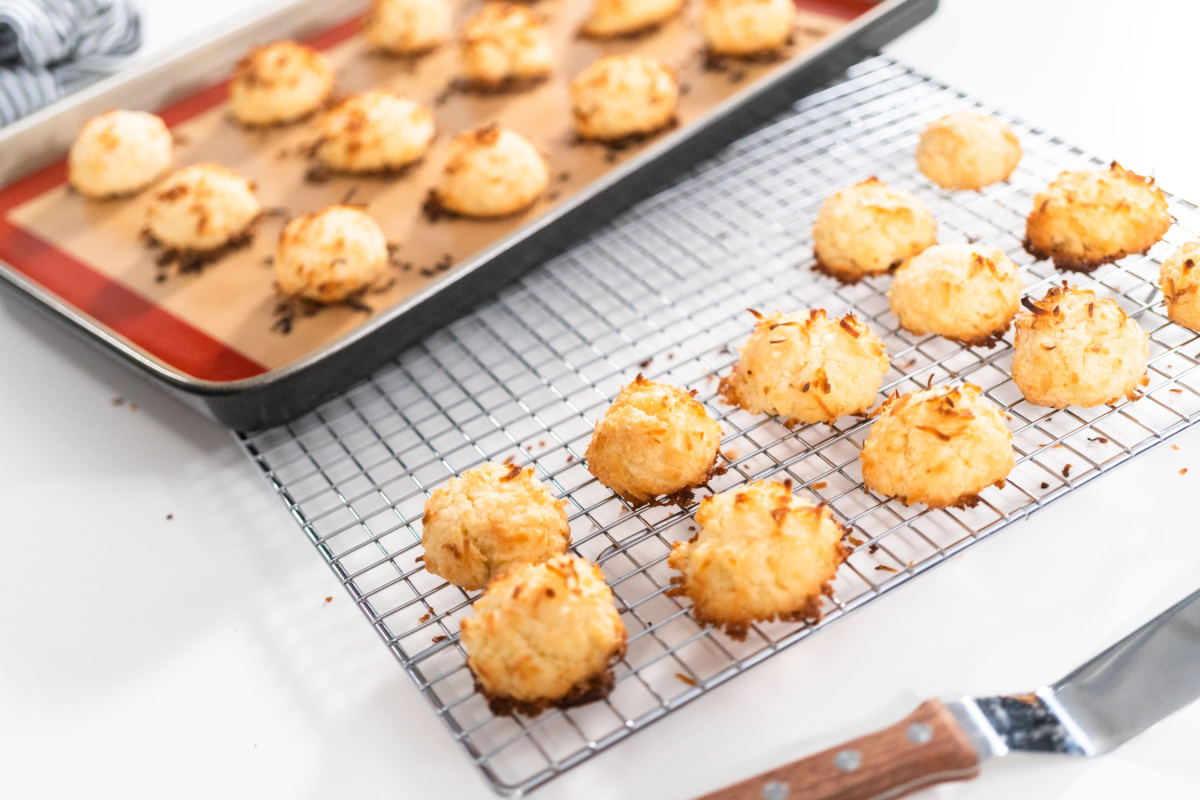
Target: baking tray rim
241, 24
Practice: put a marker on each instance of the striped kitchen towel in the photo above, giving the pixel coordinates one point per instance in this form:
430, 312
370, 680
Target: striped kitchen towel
50, 48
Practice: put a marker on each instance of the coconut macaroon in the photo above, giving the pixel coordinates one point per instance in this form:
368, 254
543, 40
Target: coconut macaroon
622, 97
504, 45
544, 635
1075, 349
746, 27
613, 18
1091, 217
941, 447
1180, 283
807, 367
654, 440
492, 517
490, 172
280, 83
119, 153
201, 209
963, 292
761, 554
968, 151
330, 256
407, 27
869, 229
374, 132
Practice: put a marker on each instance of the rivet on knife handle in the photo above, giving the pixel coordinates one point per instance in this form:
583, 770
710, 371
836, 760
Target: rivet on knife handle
927, 747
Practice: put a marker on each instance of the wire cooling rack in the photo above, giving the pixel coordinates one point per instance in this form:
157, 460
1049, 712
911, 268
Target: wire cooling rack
663, 291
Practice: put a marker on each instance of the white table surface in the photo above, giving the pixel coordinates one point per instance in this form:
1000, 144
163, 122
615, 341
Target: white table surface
163, 624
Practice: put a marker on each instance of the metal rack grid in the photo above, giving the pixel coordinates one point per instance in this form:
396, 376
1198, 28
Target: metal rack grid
663, 291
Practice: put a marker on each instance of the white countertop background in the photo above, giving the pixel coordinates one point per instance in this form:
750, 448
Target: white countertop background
147, 657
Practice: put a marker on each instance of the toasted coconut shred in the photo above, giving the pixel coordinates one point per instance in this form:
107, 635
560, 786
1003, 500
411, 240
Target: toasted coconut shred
194, 261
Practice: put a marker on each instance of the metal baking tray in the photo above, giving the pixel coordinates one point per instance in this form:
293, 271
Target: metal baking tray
281, 394
664, 290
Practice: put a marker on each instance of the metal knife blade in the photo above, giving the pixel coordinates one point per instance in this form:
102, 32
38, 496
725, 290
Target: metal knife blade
1142, 679
1137, 682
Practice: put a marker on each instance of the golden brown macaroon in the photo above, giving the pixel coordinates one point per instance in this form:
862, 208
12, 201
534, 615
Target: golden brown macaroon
504, 45
1091, 217
623, 97
374, 132
968, 151
202, 209
964, 292
1075, 349
119, 153
544, 635
869, 229
280, 83
330, 256
746, 27
407, 27
941, 447
490, 172
1180, 283
761, 554
487, 520
804, 366
614, 18
654, 440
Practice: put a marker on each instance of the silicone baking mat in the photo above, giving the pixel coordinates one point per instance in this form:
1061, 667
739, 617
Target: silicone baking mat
220, 323
664, 290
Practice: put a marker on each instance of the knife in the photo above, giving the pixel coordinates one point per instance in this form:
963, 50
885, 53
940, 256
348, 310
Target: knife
1132, 685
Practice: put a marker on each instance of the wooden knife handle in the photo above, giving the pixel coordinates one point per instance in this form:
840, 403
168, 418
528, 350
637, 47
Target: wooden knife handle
925, 748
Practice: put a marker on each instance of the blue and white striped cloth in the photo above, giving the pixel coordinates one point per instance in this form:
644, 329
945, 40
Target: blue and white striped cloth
50, 48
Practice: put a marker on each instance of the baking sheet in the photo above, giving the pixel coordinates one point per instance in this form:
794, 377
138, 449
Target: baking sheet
221, 324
